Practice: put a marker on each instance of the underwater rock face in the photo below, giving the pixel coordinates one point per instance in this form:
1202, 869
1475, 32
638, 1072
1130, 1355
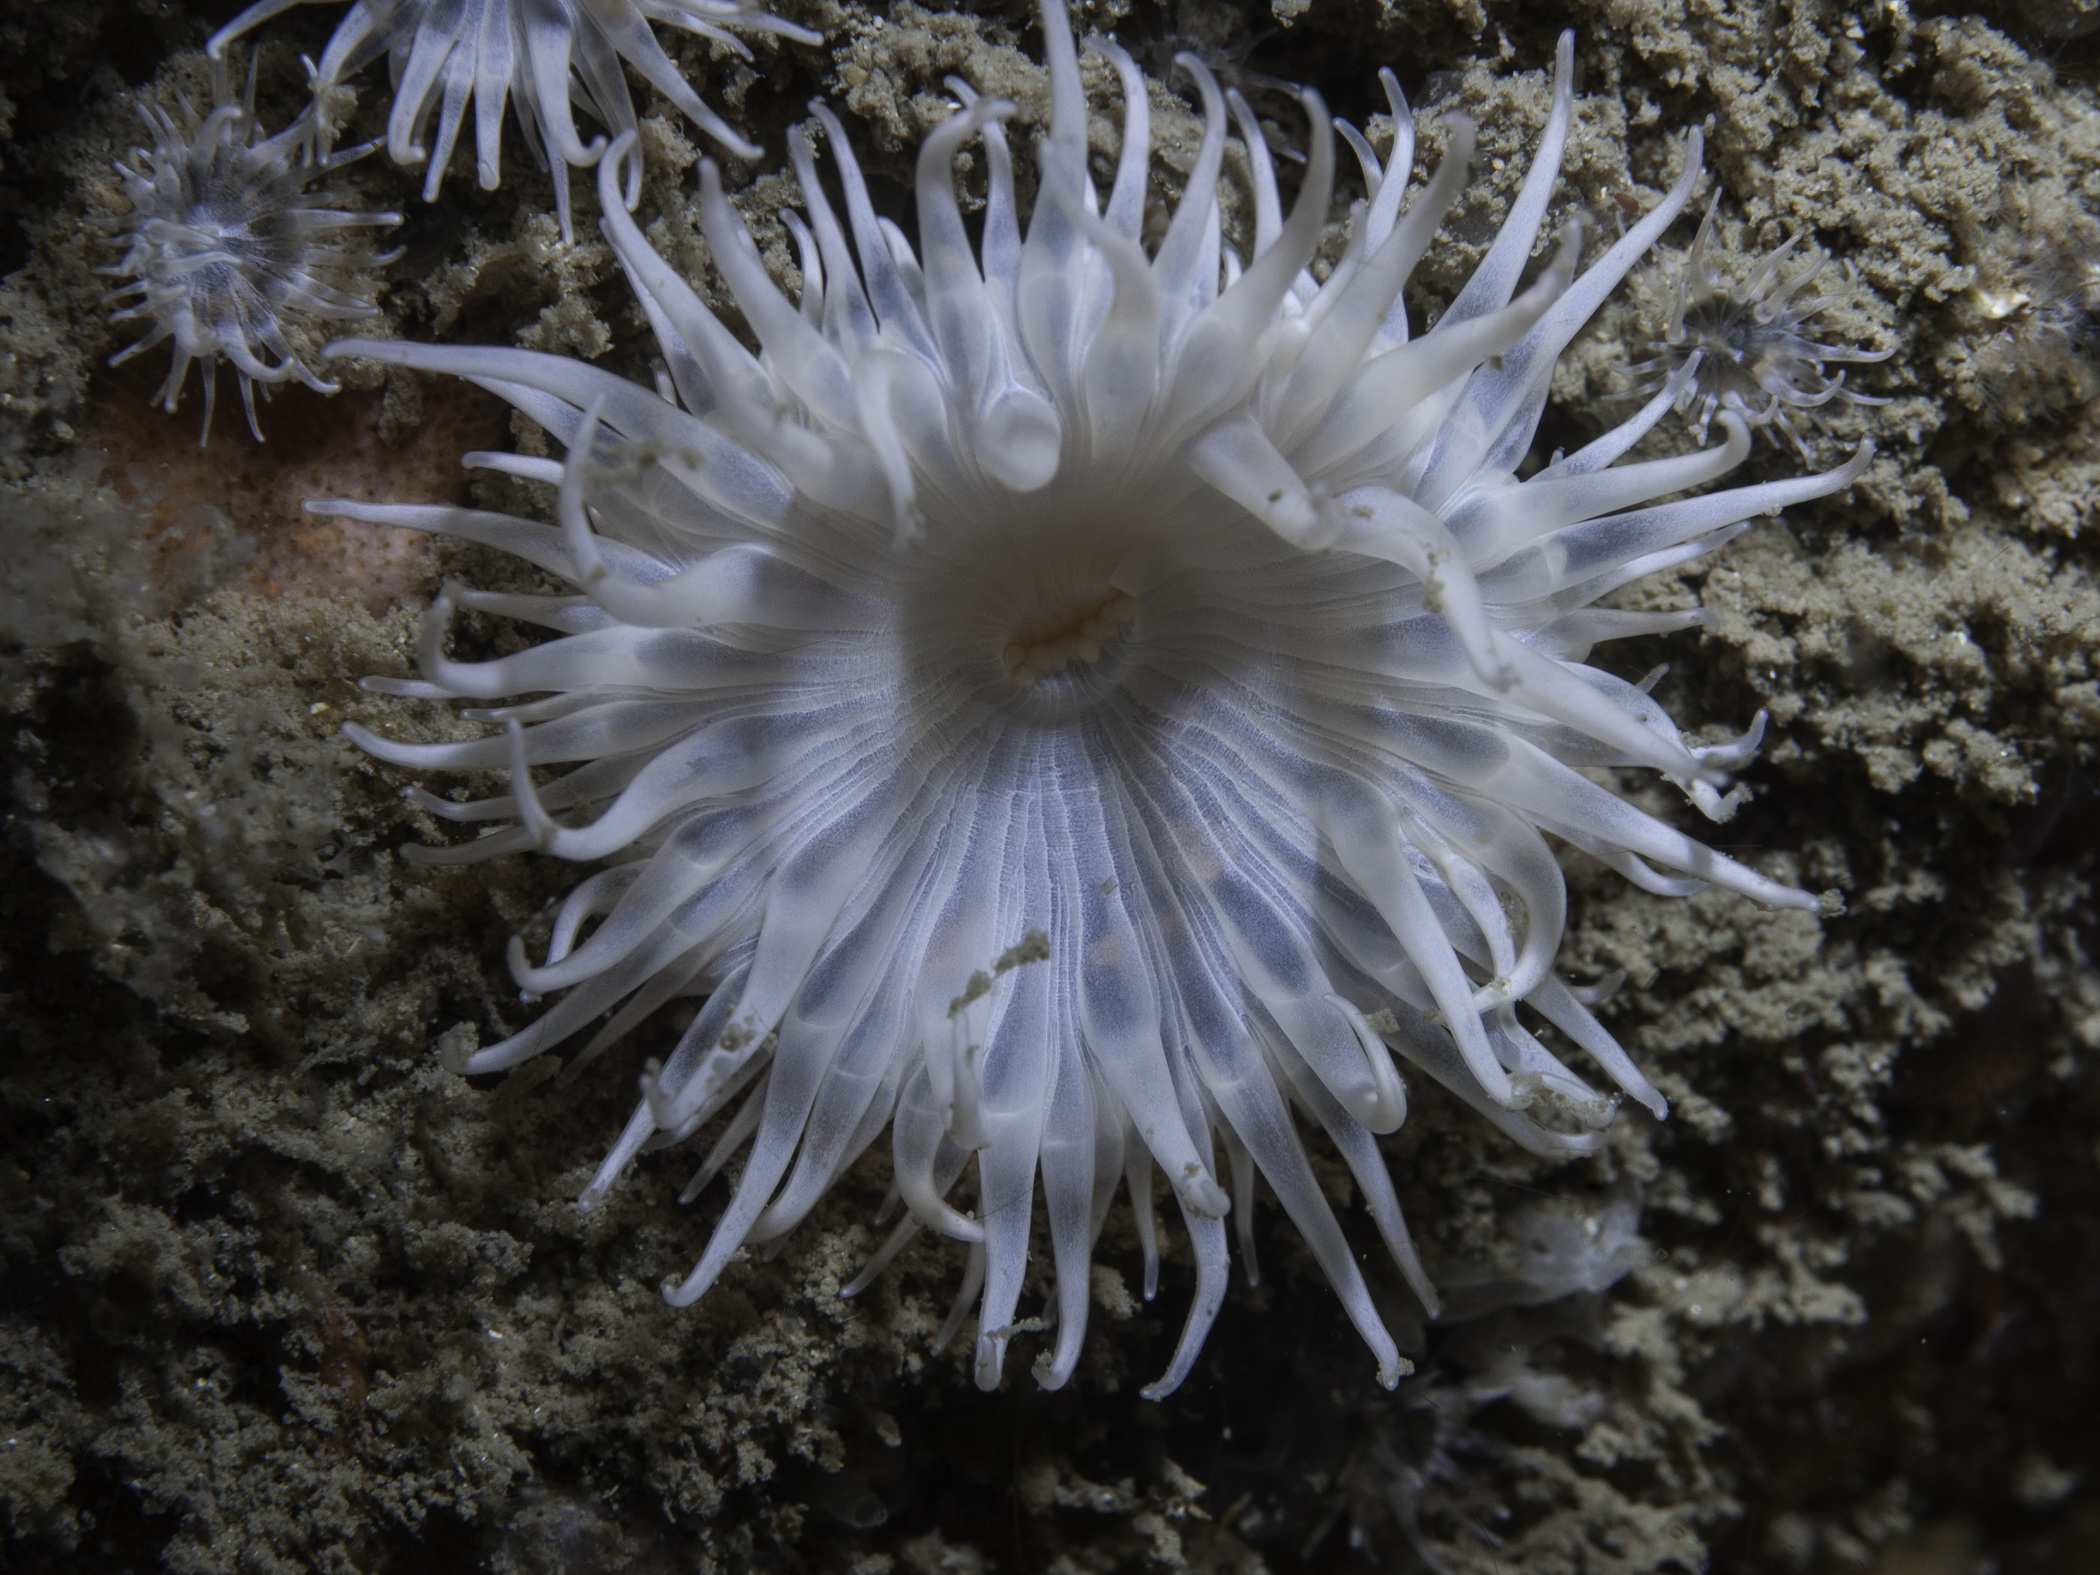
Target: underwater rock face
280, 1293
1179, 616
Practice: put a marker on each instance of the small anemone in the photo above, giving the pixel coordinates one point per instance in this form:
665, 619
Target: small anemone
1744, 345
444, 54
2039, 288
1419, 1473
1227, 62
1422, 1475
228, 253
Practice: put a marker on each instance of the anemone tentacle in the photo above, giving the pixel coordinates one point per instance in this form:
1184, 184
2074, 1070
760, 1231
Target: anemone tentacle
1084, 708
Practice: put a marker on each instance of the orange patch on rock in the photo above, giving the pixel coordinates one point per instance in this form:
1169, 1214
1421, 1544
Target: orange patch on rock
317, 447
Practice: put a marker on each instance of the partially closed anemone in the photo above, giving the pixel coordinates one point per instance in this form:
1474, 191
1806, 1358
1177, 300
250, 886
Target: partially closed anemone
1087, 712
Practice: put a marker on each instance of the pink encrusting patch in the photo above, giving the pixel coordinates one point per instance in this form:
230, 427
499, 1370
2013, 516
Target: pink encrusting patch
318, 447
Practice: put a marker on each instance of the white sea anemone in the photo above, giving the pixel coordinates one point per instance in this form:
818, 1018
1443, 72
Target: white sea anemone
1744, 345
229, 254
445, 53
1077, 709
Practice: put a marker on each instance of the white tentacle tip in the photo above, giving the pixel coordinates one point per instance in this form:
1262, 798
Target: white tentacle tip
1201, 1194
520, 964
456, 1047
344, 349
1600, 992
1715, 805
1510, 1094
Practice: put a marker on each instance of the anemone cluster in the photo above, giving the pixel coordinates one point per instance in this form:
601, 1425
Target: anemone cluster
1087, 701
229, 253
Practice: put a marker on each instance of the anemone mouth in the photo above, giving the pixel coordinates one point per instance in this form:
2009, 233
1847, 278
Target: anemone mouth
1077, 634
1052, 597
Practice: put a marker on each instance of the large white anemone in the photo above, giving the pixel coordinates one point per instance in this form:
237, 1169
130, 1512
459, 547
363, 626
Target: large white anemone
1079, 709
